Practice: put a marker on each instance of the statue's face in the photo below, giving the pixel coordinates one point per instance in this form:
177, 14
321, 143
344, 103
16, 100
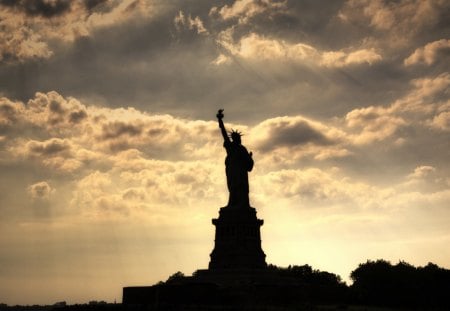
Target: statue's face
237, 139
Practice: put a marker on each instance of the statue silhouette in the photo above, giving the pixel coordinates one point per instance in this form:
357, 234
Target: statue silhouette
237, 165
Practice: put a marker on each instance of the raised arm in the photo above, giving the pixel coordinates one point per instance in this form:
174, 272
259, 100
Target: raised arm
222, 126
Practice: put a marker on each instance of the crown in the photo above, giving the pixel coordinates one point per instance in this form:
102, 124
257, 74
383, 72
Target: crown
235, 133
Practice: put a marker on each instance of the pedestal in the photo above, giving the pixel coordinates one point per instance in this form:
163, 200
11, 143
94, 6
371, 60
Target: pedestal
237, 243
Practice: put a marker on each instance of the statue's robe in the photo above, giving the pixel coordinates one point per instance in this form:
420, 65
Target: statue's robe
237, 165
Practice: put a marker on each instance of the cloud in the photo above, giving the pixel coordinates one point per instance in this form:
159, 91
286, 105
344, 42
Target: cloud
395, 23
49, 129
315, 60
190, 23
243, 10
422, 171
19, 42
426, 179
325, 56
96, 195
29, 27
47, 148
441, 121
377, 123
430, 53
100, 137
287, 139
416, 14
334, 190
91, 4
126, 162
111, 153
46, 112
64, 128
258, 48
116, 129
342, 59
221, 59
40, 190
429, 87
60, 155
139, 186
77, 116
420, 106
39, 7
324, 188
292, 131
157, 135
9, 113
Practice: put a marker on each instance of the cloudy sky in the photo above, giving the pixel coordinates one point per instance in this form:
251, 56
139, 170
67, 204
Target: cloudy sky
111, 160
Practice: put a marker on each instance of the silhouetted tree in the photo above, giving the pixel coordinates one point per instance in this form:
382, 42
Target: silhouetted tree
176, 277
381, 283
317, 286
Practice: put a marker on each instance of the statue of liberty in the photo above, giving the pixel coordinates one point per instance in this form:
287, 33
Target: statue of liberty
237, 165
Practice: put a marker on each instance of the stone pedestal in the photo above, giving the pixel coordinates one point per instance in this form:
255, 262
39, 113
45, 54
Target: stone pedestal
237, 242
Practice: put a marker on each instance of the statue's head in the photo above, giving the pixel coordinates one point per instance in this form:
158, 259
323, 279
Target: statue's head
236, 136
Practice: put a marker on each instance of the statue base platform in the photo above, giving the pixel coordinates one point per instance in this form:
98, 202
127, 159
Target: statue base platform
221, 287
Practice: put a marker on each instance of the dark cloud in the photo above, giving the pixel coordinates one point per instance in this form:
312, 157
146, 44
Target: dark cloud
48, 148
157, 132
288, 133
55, 8
118, 129
77, 116
39, 7
91, 4
56, 107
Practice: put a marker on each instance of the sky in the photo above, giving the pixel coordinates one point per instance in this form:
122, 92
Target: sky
111, 159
